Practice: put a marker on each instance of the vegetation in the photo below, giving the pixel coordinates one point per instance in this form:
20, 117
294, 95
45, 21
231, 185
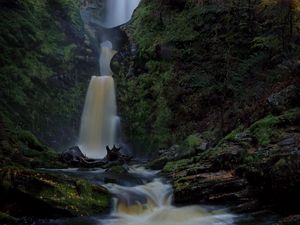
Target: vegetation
205, 66
41, 87
56, 195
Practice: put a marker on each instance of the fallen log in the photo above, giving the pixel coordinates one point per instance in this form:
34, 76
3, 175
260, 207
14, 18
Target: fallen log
74, 157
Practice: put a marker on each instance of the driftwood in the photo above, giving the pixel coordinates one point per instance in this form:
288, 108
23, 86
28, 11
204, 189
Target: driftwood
74, 157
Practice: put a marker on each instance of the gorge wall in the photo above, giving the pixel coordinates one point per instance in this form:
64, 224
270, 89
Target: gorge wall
204, 67
46, 62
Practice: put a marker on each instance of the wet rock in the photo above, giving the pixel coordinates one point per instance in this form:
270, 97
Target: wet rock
157, 164
213, 187
120, 175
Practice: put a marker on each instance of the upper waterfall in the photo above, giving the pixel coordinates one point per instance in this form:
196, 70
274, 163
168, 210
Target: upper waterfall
99, 121
118, 12
108, 13
106, 55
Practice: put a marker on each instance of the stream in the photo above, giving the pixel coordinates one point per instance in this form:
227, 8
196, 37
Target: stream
143, 197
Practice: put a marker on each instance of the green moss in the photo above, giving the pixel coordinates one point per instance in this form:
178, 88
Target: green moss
176, 165
30, 140
232, 135
263, 129
179, 185
193, 140
82, 198
75, 196
118, 170
158, 164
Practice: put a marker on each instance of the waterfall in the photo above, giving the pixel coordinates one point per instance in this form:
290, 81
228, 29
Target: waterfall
106, 55
99, 121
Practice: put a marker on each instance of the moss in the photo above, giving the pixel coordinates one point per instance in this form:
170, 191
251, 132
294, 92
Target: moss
118, 170
263, 129
30, 140
68, 195
158, 164
179, 185
232, 135
176, 165
82, 198
193, 140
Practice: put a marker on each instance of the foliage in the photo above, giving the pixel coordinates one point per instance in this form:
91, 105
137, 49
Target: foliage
222, 61
39, 71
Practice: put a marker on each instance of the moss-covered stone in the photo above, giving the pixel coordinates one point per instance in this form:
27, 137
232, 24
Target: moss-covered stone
264, 129
47, 195
176, 165
157, 164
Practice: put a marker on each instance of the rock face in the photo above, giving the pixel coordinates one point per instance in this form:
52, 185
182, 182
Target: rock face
45, 195
243, 170
52, 79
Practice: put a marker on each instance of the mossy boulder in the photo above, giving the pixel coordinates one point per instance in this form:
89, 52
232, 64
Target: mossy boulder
120, 175
158, 164
39, 194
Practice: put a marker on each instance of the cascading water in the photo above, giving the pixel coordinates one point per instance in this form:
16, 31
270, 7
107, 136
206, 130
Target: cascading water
113, 14
99, 122
99, 118
141, 197
150, 203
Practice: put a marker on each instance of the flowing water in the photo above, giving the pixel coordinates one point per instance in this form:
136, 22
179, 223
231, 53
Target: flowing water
99, 118
99, 121
147, 200
113, 13
141, 197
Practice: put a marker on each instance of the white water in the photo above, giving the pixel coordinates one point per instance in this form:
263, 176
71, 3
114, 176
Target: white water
151, 204
99, 121
106, 54
118, 12
99, 118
